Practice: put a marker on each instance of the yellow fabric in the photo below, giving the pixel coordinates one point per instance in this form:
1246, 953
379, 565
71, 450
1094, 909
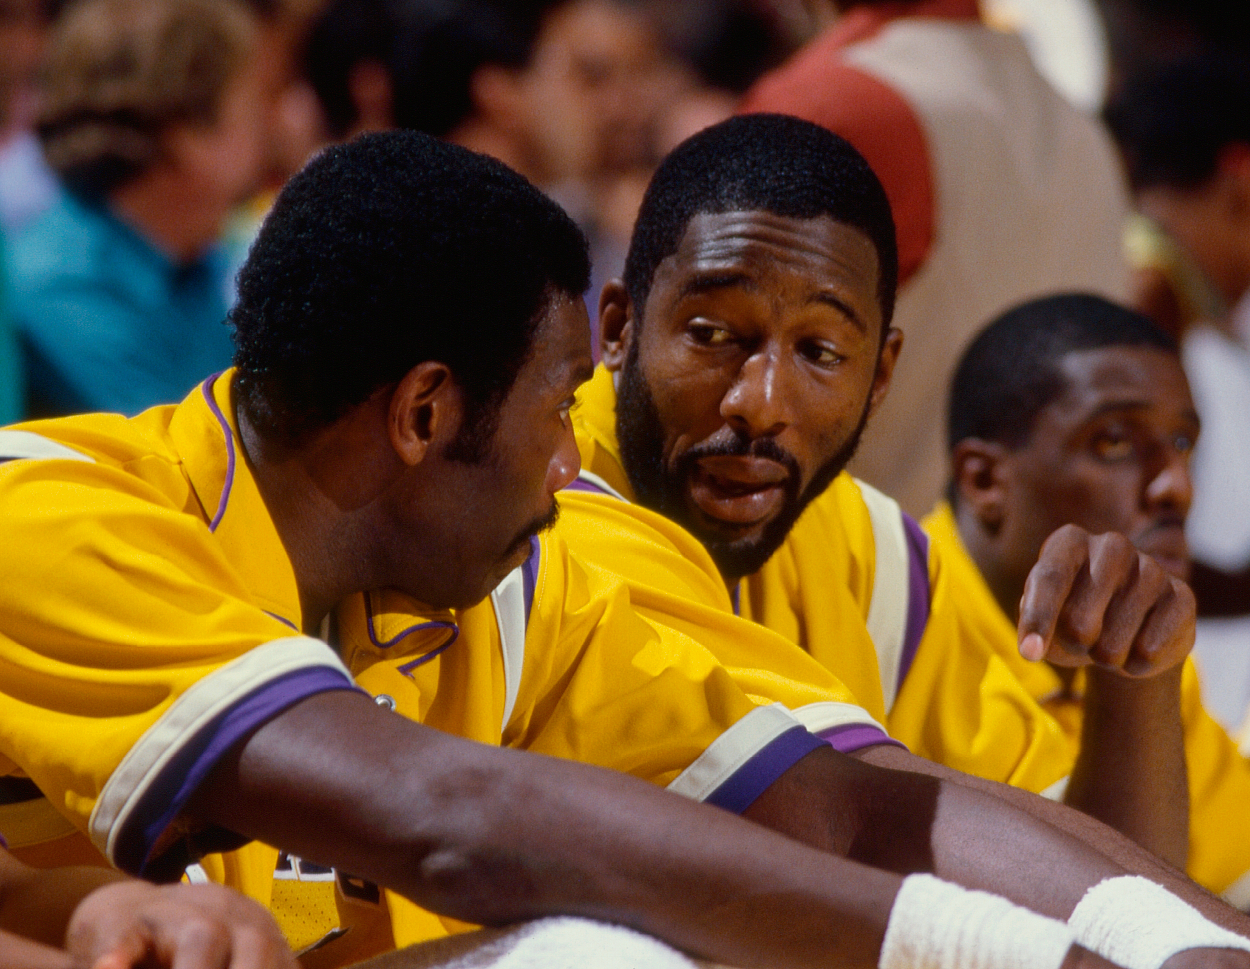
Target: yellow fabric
1219, 777
101, 633
118, 599
959, 704
672, 581
601, 683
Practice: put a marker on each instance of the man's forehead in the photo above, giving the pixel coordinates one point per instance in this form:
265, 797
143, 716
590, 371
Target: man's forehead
1122, 378
750, 248
712, 235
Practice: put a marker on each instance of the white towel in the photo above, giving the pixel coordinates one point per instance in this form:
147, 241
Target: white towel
573, 943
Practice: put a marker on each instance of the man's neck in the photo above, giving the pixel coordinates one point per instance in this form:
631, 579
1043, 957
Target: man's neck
1004, 585
320, 513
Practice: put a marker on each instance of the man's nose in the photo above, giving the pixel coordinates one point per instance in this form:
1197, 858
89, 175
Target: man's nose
1172, 483
565, 463
757, 404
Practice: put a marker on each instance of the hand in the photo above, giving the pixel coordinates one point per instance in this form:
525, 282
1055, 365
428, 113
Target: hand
133, 923
1094, 599
1209, 959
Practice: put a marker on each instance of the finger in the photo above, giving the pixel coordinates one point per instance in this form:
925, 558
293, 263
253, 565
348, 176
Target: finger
1112, 568
1167, 635
194, 942
1064, 554
1128, 612
257, 949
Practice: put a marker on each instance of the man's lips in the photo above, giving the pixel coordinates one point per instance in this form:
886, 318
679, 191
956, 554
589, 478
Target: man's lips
738, 491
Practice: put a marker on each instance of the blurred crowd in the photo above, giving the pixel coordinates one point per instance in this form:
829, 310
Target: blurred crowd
141, 142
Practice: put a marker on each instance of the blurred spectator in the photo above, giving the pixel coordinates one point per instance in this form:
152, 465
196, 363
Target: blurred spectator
21, 33
27, 187
1001, 191
1143, 34
1184, 129
567, 92
153, 116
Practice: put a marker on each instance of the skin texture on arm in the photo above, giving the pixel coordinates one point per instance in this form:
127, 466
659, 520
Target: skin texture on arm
444, 825
495, 836
1117, 849
38, 903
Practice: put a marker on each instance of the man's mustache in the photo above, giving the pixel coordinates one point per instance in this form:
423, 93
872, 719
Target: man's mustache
741, 446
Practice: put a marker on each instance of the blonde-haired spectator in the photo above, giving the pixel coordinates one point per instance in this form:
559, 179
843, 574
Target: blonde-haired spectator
153, 116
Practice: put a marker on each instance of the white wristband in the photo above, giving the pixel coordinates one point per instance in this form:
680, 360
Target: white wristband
1138, 924
937, 925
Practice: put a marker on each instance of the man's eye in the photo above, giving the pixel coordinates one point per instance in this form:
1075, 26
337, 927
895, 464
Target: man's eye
820, 354
710, 335
1183, 443
1113, 447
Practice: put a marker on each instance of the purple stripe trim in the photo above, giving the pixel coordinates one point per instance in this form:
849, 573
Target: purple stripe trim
917, 594
407, 668
851, 737
577, 484
763, 768
169, 793
432, 624
529, 576
735, 596
285, 622
206, 389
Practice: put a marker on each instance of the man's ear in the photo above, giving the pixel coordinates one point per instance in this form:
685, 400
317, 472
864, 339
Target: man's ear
425, 408
890, 350
616, 325
979, 477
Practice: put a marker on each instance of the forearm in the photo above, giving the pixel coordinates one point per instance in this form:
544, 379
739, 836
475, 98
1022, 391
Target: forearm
916, 816
496, 836
37, 904
1130, 773
1124, 854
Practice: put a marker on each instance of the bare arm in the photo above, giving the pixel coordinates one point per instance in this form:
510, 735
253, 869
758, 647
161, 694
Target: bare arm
1130, 773
1111, 845
905, 815
496, 836
1095, 601
38, 903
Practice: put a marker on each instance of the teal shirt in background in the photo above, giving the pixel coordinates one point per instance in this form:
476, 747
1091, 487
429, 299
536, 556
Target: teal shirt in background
12, 384
109, 322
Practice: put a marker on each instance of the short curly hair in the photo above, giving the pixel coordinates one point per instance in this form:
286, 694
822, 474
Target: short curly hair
118, 74
1011, 369
388, 251
770, 162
